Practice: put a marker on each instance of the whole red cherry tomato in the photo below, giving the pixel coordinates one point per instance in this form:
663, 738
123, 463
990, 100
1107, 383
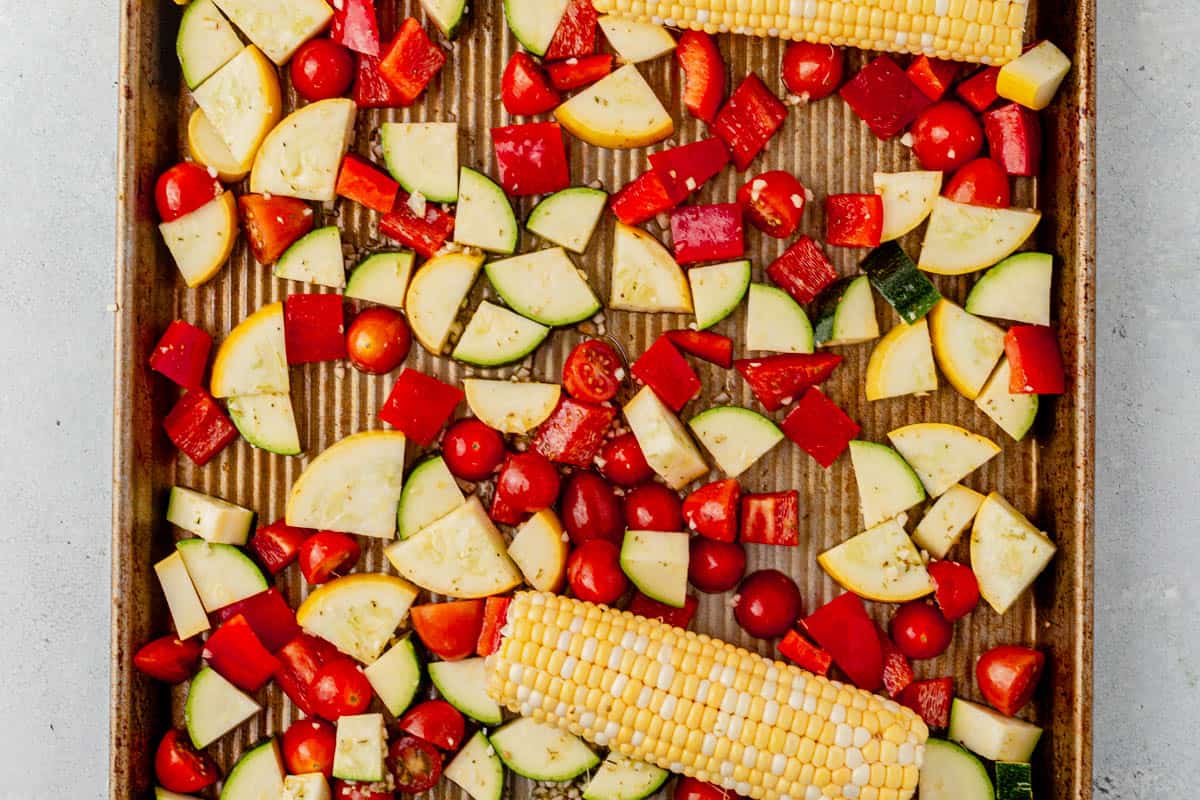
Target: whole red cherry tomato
946, 135
322, 69
180, 767
357, 790
920, 630
340, 689
768, 604
982, 182
415, 764
594, 572
591, 509
692, 789
435, 721
183, 188
169, 658
378, 340
811, 70
472, 450
308, 746
653, 507
715, 566
593, 372
623, 462
528, 482
327, 554
956, 589
1008, 676
773, 202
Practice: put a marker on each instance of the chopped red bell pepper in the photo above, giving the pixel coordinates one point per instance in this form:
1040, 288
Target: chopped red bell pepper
955, 588
524, 87
843, 628
771, 518
779, 379
854, 220
419, 405
749, 120
897, 672
269, 616
649, 608
426, 235
668, 373
273, 223
361, 181
236, 653
804, 653
182, 354
703, 74
707, 233
884, 97
932, 75
690, 166
576, 72
820, 427
495, 614
277, 545
931, 699
979, 90
1014, 137
314, 328
574, 432
436, 722
803, 270
505, 514
1035, 360
575, 35
411, 61
531, 158
646, 196
355, 26
299, 661
449, 630
712, 510
370, 90
712, 347
198, 426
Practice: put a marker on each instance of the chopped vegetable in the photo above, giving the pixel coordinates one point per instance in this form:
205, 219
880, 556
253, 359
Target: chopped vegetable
820, 427
577, 72
803, 270
1035, 360
574, 432
932, 75
712, 347
804, 653
198, 426
411, 61
646, 196
749, 120
771, 518
314, 328
707, 233
884, 97
979, 90
236, 653
779, 379
575, 36
773, 201
1014, 136
842, 628
931, 699
355, 27
531, 158
690, 166
420, 405
667, 372
362, 182
524, 87
273, 223
853, 220
703, 74
182, 354
425, 233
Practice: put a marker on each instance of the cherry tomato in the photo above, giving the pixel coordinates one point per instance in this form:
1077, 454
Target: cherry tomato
715, 566
946, 135
169, 658
593, 372
920, 630
591, 509
183, 188
528, 482
340, 689
692, 789
623, 462
768, 604
812, 71
594, 572
416, 765
449, 630
357, 790
1008, 676
378, 340
956, 589
322, 69
472, 450
435, 721
326, 554
982, 182
773, 202
180, 767
653, 507
308, 746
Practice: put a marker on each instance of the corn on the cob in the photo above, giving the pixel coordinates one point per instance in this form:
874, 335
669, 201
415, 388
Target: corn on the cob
694, 705
987, 31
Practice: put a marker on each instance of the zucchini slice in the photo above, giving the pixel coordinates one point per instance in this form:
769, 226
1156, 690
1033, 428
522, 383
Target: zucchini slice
423, 157
568, 217
1017, 289
846, 313
881, 564
1014, 413
907, 199
545, 286
897, 279
887, 485
941, 454
644, 275
965, 347
484, 217
542, 752
902, 363
776, 323
951, 773
717, 290
735, 437
963, 238
497, 336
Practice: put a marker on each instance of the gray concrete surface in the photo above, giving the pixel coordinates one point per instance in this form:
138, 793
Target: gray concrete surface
57, 165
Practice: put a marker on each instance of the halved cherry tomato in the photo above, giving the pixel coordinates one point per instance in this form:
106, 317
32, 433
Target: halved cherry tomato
183, 188
946, 135
327, 554
528, 482
920, 630
416, 765
340, 689
357, 790
1008, 676
450, 630
180, 767
322, 69
653, 507
957, 590
593, 372
981, 182
590, 509
378, 340
524, 87
623, 462
435, 721
169, 658
715, 566
308, 746
712, 510
692, 789
273, 223
299, 661
594, 572
472, 450
812, 70
652, 609
773, 202
768, 604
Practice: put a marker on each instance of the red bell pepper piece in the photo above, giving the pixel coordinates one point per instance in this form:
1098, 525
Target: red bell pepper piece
495, 614
956, 589
575, 35
198, 426
668, 373
269, 616
273, 223
1035, 360
449, 630
182, 354
277, 545
235, 652
803, 270
689, 166
646, 196
979, 90
703, 74
771, 518
299, 661
419, 405
426, 234
503, 513
712, 347
707, 233
749, 120
897, 672
531, 158
370, 90
778, 380
931, 699
361, 181
1014, 137
314, 328
820, 427
574, 432
884, 97
804, 653
844, 630
853, 220
576, 72
932, 75
649, 608
411, 61
524, 87
355, 26
712, 510
169, 658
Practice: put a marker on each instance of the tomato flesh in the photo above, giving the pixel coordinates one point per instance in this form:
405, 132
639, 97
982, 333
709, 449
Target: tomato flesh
169, 658
1008, 676
180, 767
715, 566
524, 87
416, 765
957, 590
183, 188
653, 507
593, 372
712, 510
308, 746
773, 202
450, 630
981, 182
528, 482
357, 790
590, 509
273, 223
326, 554
946, 136
340, 689
322, 69
623, 462
812, 70
378, 340
435, 721
920, 630
594, 572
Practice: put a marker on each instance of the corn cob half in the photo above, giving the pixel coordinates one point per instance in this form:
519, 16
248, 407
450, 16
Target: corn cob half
701, 707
